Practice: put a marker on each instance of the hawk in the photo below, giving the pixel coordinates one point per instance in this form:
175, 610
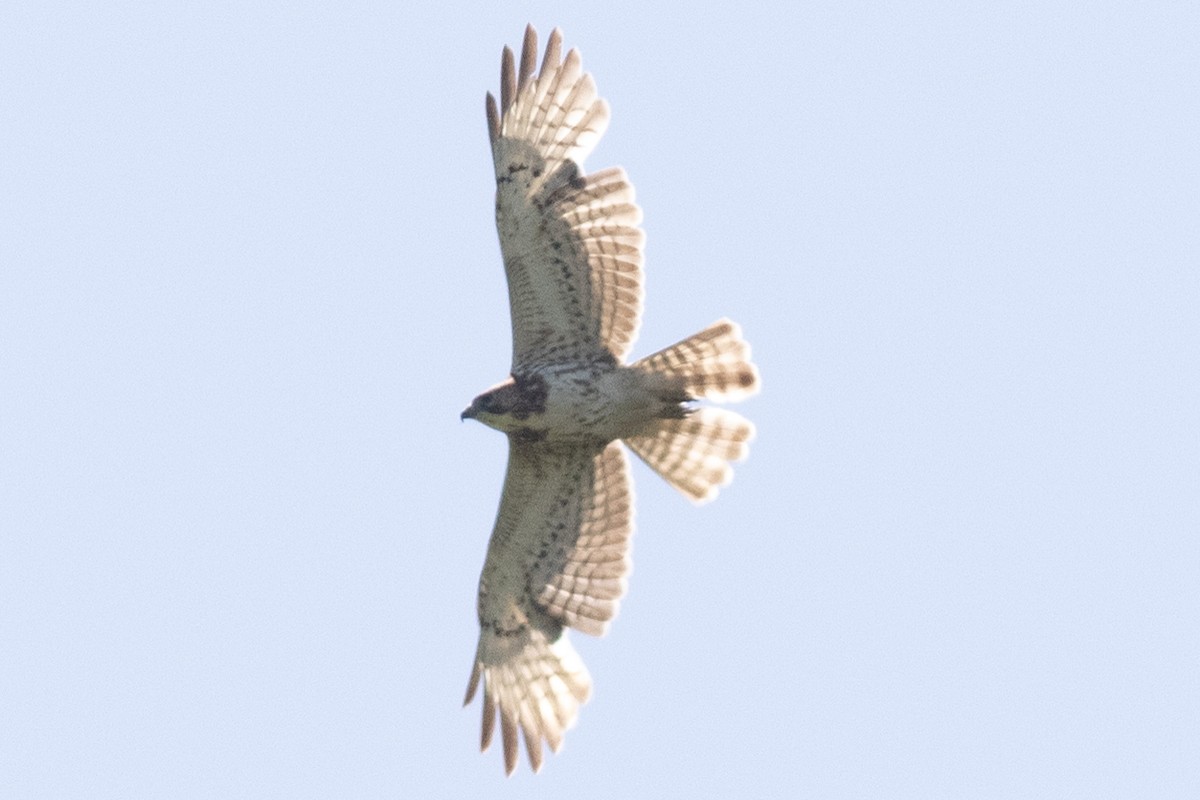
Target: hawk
572, 249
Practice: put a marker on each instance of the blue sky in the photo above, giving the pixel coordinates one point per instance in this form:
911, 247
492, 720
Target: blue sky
249, 278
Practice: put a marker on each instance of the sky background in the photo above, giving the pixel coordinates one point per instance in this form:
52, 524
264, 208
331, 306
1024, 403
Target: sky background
249, 278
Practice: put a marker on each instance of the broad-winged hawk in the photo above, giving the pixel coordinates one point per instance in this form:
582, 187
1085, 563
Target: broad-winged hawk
572, 251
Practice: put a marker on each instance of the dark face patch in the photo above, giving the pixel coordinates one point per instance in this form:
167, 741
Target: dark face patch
529, 396
521, 398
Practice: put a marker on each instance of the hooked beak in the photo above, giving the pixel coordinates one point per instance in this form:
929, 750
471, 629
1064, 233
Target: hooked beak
468, 414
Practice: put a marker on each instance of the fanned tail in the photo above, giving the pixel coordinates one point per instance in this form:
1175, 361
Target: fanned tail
692, 451
713, 364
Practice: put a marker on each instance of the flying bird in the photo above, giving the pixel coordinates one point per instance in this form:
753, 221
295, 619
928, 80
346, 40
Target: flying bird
572, 248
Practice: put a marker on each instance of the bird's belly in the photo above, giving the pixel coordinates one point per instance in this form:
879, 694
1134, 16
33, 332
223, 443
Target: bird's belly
586, 405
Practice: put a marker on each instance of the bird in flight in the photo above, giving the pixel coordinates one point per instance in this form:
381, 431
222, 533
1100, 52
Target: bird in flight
572, 249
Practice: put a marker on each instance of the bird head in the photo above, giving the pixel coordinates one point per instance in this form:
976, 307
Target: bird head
494, 406
511, 406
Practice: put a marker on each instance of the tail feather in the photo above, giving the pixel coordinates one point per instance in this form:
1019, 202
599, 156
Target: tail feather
713, 364
693, 453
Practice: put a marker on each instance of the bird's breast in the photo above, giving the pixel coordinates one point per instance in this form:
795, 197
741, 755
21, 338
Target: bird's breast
592, 403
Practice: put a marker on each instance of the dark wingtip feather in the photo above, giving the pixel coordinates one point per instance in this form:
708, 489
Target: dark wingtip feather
472, 684
489, 721
508, 80
533, 746
528, 57
553, 51
508, 733
493, 118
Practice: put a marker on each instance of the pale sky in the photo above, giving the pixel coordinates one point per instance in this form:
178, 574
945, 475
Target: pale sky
249, 278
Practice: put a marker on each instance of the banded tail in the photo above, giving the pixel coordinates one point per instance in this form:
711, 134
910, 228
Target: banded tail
692, 453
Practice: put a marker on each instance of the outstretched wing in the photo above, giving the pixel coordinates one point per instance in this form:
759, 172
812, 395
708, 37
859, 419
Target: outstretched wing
571, 243
557, 558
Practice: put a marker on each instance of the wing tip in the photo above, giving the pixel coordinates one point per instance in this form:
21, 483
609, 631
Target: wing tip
493, 118
553, 50
508, 735
533, 747
508, 79
528, 57
472, 684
